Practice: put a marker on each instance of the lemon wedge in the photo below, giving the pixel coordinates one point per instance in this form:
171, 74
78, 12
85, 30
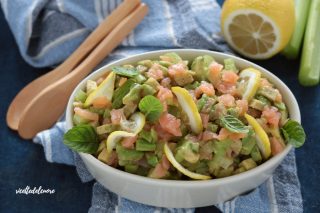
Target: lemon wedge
180, 168
189, 107
258, 29
135, 125
261, 136
106, 89
251, 77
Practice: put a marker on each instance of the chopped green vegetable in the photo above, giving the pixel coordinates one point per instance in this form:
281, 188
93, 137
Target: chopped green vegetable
257, 104
200, 66
133, 95
82, 138
131, 168
248, 164
255, 154
143, 145
77, 120
267, 92
292, 49
293, 133
201, 102
80, 96
151, 107
212, 127
128, 154
171, 57
188, 151
120, 93
233, 124
152, 159
106, 128
309, 73
125, 71
229, 64
220, 158
248, 143
281, 106
150, 136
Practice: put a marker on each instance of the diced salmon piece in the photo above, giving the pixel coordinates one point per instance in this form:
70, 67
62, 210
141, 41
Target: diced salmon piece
128, 142
116, 116
205, 119
219, 110
85, 114
101, 102
271, 115
265, 83
204, 88
242, 105
278, 97
207, 136
162, 134
227, 100
230, 77
155, 72
214, 72
227, 88
158, 171
276, 146
224, 133
170, 124
164, 94
179, 72
165, 162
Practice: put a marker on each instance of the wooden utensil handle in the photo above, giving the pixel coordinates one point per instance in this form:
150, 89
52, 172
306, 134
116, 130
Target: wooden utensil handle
109, 43
103, 29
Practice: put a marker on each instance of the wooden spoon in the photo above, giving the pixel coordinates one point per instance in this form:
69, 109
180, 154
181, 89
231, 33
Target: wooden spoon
33, 88
44, 110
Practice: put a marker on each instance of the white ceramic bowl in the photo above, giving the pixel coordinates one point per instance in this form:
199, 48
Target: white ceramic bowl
184, 194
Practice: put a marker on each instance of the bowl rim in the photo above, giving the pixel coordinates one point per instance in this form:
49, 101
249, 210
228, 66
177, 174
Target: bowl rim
189, 183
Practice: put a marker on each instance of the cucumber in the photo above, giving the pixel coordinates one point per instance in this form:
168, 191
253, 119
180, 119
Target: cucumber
309, 73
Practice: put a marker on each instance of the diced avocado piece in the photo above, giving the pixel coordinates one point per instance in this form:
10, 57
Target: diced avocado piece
200, 66
106, 128
91, 85
248, 164
147, 90
220, 158
188, 150
139, 78
281, 106
201, 102
129, 109
193, 85
165, 63
268, 92
143, 145
153, 83
146, 63
173, 110
96, 110
263, 99
104, 155
247, 144
80, 96
284, 117
77, 120
233, 111
184, 78
120, 93
133, 97
141, 69
128, 154
131, 168
239, 170
171, 57
150, 136
229, 64
255, 154
212, 127
257, 104
152, 159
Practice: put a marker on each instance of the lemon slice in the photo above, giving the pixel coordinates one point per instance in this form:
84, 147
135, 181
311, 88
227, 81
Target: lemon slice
106, 89
115, 137
135, 125
258, 29
180, 168
251, 77
189, 107
261, 136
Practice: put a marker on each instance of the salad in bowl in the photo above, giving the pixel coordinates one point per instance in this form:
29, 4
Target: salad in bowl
178, 119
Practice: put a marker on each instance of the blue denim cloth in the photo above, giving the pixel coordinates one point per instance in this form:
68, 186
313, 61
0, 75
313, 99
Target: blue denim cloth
48, 31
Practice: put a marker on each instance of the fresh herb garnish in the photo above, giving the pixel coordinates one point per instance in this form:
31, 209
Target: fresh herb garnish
293, 133
233, 124
125, 71
82, 138
120, 93
151, 107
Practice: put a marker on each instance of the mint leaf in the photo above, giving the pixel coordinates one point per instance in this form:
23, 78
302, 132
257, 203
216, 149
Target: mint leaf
233, 124
293, 133
82, 138
120, 93
151, 107
125, 71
